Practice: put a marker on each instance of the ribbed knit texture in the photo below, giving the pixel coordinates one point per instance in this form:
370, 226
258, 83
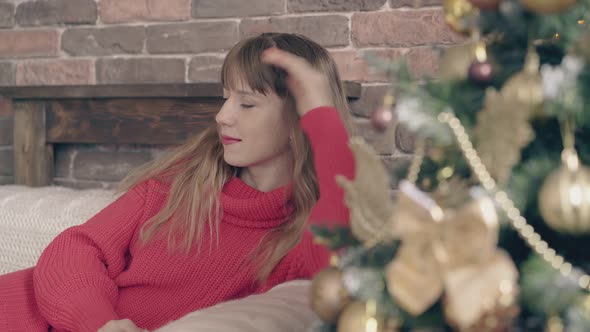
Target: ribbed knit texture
98, 271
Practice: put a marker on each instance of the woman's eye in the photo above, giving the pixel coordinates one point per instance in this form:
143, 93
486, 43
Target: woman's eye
246, 105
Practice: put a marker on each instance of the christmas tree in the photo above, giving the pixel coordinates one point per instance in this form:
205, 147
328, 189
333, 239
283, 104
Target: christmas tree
490, 230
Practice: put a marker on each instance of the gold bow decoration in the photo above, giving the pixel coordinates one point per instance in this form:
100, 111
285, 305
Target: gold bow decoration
452, 251
449, 251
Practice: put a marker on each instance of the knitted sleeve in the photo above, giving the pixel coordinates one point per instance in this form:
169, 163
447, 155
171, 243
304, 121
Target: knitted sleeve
332, 156
73, 279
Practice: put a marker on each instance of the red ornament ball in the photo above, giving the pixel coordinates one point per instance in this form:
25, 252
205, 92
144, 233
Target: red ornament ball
381, 118
486, 4
481, 72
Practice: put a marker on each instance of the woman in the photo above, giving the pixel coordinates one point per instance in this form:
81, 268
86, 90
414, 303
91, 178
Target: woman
223, 216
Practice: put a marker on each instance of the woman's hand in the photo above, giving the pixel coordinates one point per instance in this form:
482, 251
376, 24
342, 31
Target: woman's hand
122, 325
309, 87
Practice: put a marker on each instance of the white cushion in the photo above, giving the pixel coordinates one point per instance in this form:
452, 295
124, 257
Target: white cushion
31, 217
284, 308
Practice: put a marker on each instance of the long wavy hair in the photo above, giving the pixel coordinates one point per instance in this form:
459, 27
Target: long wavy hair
197, 172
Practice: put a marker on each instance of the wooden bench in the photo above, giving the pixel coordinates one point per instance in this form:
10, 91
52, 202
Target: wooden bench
155, 114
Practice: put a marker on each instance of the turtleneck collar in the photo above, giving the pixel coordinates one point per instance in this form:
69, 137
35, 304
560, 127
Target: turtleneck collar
248, 207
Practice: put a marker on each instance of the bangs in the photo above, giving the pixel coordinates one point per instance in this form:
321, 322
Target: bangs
242, 68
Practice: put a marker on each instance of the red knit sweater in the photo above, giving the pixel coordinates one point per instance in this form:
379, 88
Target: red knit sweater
97, 271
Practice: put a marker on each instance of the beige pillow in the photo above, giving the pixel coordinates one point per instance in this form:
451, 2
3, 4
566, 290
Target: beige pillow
30, 218
284, 308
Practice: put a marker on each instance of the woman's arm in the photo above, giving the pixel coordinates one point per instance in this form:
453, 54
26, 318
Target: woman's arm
332, 156
73, 279
329, 141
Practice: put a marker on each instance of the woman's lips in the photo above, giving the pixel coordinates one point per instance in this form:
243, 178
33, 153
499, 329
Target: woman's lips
228, 140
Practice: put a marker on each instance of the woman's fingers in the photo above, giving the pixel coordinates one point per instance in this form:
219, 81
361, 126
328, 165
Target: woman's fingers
309, 87
292, 64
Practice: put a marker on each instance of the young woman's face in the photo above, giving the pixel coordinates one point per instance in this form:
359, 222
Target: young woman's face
253, 127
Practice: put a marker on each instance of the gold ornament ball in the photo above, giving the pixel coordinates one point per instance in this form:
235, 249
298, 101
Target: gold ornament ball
499, 313
460, 15
381, 119
355, 318
564, 200
328, 295
547, 7
498, 319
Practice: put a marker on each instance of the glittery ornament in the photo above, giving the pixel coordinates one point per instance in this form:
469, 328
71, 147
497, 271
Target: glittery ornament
361, 316
328, 295
499, 153
381, 119
501, 310
526, 86
564, 199
481, 70
461, 15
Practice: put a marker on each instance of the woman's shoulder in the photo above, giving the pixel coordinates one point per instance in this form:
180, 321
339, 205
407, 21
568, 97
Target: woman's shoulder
151, 189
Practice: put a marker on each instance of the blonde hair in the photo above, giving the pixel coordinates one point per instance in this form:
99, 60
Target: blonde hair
197, 172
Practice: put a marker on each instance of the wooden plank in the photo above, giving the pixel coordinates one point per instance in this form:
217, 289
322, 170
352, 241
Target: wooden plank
352, 89
114, 91
33, 157
128, 120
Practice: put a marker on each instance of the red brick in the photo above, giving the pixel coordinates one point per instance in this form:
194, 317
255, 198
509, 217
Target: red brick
423, 61
50, 12
237, 8
7, 74
55, 72
103, 41
191, 37
414, 3
205, 68
327, 30
143, 70
334, 5
114, 11
6, 15
28, 43
399, 28
353, 66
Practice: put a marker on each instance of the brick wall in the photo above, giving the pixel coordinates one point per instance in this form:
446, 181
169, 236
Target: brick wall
57, 42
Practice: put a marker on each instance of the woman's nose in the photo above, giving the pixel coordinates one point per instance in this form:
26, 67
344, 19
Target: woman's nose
224, 116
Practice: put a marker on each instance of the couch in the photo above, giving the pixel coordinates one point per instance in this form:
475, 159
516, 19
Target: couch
31, 217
